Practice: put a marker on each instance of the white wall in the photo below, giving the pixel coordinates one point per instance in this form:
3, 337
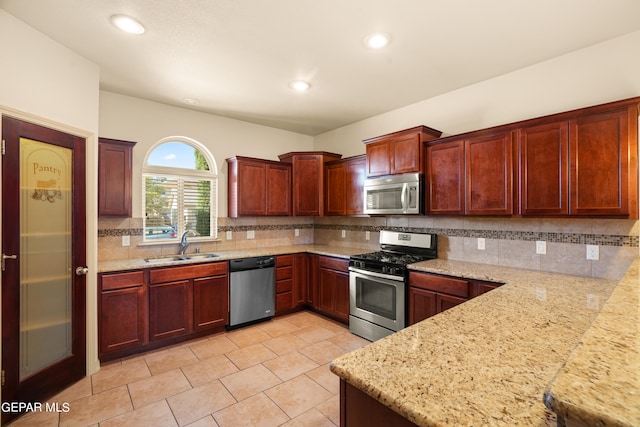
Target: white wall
146, 122
605, 72
44, 82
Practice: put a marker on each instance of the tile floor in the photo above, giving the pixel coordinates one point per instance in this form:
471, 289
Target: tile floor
269, 374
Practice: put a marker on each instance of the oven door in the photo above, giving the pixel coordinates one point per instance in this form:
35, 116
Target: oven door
377, 298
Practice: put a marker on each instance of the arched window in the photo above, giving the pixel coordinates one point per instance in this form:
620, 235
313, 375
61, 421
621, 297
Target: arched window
180, 183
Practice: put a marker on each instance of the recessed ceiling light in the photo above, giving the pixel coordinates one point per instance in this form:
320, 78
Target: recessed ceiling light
127, 24
191, 101
299, 85
377, 40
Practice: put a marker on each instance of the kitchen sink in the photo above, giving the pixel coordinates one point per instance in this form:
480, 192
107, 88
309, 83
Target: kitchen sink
174, 258
200, 256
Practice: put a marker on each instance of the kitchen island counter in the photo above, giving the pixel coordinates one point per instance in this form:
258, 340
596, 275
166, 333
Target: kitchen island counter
484, 362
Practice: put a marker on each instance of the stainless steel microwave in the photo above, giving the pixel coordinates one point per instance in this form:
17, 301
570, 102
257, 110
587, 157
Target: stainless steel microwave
393, 195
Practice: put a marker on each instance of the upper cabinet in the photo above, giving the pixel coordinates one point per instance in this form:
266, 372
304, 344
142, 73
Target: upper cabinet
115, 159
344, 186
398, 152
445, 178
258, 187
308, 180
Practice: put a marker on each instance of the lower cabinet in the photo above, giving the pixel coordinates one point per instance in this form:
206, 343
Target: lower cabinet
141, 310
430, 294
332, 293
291, 282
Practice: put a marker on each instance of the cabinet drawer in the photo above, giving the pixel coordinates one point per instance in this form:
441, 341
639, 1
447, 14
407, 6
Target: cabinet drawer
284, 301
284, 285
284, 260
333, 263
284, 273
447, 285
172, 274
122, 280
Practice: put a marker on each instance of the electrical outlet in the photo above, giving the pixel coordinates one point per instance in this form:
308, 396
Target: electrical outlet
541, 247
296, 232
593, 302
126, 240
229, 235
367, 235
251, 234
481, 244
593, 252
344, 233
541, 294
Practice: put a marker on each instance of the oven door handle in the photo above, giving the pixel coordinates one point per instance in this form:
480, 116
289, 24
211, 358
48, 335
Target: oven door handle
376, 274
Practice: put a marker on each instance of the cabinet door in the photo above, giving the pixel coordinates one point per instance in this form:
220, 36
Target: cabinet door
115, 160
489, 174
307, 185
341, 309
300, 279
599, 166
170, 310
378, 155
335, 190
405, 154
122, 319
252, 190
278, 189
445, 302
445, 182
327, 290
210, 302
544, 171
355, 186
422, 304
312, 280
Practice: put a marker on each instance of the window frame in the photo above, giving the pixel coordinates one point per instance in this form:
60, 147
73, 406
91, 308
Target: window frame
181, 175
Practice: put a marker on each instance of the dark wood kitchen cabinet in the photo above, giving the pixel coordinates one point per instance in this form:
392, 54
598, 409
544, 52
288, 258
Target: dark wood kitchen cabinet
332, 293
430, 294
115, 162
291, 282
308, 180
187, 299
123, 319
445, 178
398, 152
258, 187
344, 186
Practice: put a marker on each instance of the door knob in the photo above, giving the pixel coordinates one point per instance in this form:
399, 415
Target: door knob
6, 257
81, 271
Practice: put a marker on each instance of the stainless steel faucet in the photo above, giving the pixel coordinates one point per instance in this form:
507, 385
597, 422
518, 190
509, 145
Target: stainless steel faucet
183, 241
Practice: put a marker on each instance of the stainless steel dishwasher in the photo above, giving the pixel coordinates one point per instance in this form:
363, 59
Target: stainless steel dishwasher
251, 290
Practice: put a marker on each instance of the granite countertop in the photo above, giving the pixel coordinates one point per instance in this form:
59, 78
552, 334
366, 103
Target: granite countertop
487, 361
133, 264
600, 383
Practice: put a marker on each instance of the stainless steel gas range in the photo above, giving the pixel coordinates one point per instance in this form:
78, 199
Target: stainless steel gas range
378, 282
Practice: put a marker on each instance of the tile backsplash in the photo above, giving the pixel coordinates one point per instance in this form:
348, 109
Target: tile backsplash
508, 241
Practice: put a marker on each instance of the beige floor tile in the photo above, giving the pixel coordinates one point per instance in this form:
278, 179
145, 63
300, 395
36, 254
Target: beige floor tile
97, 408
311, 418
37, 419
285, 344
251, 355
197, 403
256, 411
250, 381
331, 409
327, 379
169, 360
303, 319
111, 376
158, 387
278, 327
208, 370
298, 395
157, 414
348, 341
77, 391
322, 352
314, 333
214, 346
290, 365
207, 421
333, 326
248, 336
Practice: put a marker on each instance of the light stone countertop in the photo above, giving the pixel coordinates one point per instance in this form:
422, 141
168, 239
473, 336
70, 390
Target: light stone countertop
133, 264
487, 361
600, 383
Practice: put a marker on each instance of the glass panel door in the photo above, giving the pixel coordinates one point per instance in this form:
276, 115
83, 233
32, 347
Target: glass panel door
46, 271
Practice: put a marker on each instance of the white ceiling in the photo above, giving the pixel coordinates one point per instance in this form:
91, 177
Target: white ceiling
237, 57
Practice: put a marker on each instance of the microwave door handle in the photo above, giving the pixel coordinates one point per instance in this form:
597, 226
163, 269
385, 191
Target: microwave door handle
404, 197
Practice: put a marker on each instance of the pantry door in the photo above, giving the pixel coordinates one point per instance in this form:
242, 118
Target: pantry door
43, 261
